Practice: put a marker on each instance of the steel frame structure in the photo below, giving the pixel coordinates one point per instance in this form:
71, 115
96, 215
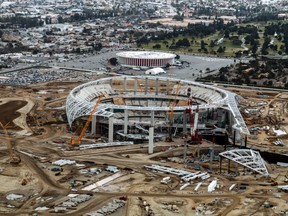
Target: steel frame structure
78, 105
248, 158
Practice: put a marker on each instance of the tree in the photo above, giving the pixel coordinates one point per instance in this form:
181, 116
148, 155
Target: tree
60, 19
157, 46
113, 61
78, 50
35, 51
226, 33
97, 46
178, 18
202, 45
220, 50
48, 20
10, 45
223, 78
255, 47
185, 42
212, 44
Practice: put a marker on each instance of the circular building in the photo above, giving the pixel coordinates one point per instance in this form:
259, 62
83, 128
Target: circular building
145, 59
137, 103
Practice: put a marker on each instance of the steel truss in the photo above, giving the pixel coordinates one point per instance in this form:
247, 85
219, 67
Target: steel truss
248, 158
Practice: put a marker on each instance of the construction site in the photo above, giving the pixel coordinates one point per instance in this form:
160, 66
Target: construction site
142, 145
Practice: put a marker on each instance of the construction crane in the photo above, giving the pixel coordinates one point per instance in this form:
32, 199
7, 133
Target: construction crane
78, 140
14, 158
171, 113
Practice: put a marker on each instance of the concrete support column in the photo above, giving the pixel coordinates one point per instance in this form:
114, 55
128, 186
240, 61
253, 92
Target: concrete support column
111, 129
146, 85
151, 140
153, 118
156, 86
93, 127
125, 121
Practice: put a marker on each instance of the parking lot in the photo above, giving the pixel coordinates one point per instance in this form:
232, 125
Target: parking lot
193, 66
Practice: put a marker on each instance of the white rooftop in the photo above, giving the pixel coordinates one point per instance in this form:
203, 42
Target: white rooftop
63, 162
146, 55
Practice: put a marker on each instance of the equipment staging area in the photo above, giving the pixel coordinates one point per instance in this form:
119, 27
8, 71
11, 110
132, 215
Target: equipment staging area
142, 146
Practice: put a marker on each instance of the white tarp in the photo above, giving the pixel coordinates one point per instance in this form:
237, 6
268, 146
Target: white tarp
155, 71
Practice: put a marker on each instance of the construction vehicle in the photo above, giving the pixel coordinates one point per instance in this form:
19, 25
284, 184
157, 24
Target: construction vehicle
14, 158
171, 114
78, 140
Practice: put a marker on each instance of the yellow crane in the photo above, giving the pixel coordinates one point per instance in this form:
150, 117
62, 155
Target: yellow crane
171, 113
14, 158
78, 140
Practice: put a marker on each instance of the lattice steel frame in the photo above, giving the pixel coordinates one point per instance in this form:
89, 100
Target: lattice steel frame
77, 107
248, 158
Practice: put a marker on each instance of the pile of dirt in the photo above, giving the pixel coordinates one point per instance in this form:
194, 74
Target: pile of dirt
9, 112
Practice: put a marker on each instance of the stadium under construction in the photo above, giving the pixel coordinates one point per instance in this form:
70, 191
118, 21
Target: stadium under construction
138, 108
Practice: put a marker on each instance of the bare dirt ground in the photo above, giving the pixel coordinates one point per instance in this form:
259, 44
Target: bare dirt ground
267, 111
171, 22
41, 108
185, 22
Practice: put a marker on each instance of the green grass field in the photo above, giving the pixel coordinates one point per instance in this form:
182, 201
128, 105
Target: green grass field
230, 48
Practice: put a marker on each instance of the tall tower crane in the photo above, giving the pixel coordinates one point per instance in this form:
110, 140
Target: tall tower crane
78, 140
171, 113
14, 158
